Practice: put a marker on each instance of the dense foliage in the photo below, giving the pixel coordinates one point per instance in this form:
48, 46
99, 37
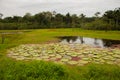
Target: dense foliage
110, 20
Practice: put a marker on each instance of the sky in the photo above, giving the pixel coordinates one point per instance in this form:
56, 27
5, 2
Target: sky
87, 7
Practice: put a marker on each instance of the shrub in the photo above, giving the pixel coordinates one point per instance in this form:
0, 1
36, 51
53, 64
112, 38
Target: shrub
97, 25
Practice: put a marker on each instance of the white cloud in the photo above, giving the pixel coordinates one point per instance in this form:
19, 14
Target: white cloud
88, 7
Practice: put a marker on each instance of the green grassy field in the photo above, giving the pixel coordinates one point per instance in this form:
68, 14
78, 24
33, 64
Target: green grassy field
39, 70
43, 35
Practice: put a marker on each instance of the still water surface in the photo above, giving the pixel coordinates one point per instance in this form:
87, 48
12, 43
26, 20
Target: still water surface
90, 41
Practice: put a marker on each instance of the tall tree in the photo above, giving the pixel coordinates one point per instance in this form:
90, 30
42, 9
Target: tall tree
108, 16
82, 19
54, 13
28, 18
74, 20
1, 15
17, 18
117, 17
113, 17
82, 16
97, 14
68, 20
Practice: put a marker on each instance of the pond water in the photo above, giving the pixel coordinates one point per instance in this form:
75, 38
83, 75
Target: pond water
90, 41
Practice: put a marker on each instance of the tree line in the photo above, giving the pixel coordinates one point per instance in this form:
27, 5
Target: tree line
110, 20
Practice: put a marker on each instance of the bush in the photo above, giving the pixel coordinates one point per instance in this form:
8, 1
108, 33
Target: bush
97, 25
35, 70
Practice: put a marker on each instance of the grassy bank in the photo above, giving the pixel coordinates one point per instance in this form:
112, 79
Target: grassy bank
37, 36
39, 70
43, 35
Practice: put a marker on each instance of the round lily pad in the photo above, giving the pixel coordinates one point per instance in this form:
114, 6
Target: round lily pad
45, 57
35, 55
64, 60
72, 62
116, 56
20, 58
51, 55
15, 54
58, 56
83, 62
85, 59
73, 55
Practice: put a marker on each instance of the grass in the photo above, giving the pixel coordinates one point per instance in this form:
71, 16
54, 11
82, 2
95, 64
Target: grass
39, 70
43, 35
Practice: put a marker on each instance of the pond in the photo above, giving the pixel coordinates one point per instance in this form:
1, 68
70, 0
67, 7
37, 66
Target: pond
90, 41
75, 52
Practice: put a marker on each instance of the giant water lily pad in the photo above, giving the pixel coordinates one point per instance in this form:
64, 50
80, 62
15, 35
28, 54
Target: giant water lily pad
111, 53
64, 60
20, 58
52, 55
73, 54
116, 56
85, 59
45, 57
15, 54
58, 56
72, 62
83, 62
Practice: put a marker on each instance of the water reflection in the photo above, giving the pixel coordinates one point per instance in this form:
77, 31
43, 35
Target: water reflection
90, 41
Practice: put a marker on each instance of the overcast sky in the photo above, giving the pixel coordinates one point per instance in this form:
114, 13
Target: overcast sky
88, 7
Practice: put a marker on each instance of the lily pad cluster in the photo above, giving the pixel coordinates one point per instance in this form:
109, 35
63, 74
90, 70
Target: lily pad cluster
72, 54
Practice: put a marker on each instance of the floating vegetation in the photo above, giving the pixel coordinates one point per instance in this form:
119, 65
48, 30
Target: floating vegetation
72, 54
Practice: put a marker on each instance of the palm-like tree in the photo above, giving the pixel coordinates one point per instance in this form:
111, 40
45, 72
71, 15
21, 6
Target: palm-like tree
108, 16
97, 14
82, 16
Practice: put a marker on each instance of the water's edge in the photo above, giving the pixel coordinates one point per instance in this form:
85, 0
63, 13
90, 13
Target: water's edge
90, 41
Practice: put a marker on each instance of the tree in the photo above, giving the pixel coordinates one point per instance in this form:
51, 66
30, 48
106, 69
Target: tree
82, 19
8, 19
117, 17
108, 16
82, 16
97, 14
110, 20
28, 18
68, 19
17, 18
74, 20
58, 20
54, 13
1, 15
113, 17
47, 18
